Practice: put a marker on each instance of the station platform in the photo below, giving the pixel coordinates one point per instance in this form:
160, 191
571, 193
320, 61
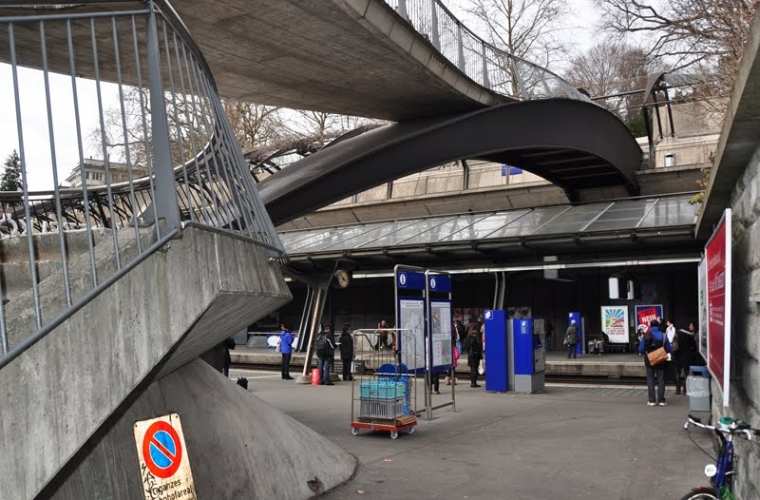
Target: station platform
613, 366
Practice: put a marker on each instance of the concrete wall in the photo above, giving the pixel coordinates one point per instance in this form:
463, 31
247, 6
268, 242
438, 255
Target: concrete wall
238, 446
181, 301
745, 330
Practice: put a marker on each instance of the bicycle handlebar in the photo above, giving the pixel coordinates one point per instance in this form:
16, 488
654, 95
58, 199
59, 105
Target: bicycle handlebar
733, 426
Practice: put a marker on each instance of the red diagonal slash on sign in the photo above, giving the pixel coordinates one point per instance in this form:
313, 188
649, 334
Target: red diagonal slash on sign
150, 439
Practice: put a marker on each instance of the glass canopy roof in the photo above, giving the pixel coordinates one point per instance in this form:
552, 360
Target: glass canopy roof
625, 215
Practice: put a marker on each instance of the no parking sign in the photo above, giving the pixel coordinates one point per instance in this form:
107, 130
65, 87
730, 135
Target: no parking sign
164, 466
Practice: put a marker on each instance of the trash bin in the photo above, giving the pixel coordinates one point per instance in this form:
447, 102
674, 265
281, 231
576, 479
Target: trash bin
358, 367
698, 388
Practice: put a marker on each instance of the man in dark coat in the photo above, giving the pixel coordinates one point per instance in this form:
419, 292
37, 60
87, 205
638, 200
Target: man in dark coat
571, 339
474, 355
346, 346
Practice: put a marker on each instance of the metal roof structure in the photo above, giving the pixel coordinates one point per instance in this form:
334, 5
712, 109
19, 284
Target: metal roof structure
660, 224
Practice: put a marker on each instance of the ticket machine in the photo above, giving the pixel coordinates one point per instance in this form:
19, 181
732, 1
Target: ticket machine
515, 357
529, 356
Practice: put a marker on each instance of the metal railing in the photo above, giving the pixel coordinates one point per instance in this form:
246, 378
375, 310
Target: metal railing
167, 155
483, 63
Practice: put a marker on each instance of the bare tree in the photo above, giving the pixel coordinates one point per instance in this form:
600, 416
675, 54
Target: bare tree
615, 71
254, 125
708, 34
523, 28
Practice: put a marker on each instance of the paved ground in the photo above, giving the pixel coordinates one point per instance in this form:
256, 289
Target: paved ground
569, 442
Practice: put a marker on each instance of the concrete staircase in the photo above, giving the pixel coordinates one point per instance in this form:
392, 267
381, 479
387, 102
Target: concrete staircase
178, 303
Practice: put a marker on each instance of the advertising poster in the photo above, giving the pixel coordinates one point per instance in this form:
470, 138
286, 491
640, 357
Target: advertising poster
646, 313
440, 328
702, 280
615, 323
718, 256
412, 318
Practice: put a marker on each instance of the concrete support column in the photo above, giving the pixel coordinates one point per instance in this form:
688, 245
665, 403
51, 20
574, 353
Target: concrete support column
486, 79
402, 10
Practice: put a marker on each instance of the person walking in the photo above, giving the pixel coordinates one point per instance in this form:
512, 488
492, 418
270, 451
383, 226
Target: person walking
474, 355
346, 346
461, 333
654, 339
571, 339
325, 348
286, 349
382, 336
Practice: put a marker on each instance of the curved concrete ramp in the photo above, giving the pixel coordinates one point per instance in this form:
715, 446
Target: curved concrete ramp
576, 145
239, 446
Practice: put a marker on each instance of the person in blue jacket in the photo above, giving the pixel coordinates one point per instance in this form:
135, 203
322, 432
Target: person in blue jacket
286, 349
651, 340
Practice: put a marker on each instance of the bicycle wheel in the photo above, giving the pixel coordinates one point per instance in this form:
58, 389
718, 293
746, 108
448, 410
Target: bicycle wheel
702, 494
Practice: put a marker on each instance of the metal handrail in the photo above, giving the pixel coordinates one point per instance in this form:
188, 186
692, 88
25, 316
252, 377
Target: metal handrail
183, 123
477, 58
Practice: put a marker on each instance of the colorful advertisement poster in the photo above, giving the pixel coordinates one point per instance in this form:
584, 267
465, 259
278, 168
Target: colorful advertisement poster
718, 257
702, 280
615, 323
646, 313
440, 328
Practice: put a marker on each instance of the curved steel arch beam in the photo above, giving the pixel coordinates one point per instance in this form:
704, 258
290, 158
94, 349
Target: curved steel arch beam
575, 145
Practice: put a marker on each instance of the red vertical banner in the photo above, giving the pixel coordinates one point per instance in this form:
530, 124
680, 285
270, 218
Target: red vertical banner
718, 257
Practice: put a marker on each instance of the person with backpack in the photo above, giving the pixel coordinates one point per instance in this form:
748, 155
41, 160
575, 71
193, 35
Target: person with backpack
286, 349
346, 345
325, 347
652, 340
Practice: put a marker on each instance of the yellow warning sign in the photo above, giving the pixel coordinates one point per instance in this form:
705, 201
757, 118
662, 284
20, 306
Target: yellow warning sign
164, 464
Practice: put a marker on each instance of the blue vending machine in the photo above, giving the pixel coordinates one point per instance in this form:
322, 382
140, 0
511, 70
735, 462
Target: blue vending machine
496, 351
529, 357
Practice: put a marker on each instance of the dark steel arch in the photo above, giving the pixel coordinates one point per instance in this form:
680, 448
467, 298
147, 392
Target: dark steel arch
573, 144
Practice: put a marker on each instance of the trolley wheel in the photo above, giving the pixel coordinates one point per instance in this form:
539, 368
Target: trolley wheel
355, 431
411, 430
394, 434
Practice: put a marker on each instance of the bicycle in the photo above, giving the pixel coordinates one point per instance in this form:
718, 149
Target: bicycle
721, 473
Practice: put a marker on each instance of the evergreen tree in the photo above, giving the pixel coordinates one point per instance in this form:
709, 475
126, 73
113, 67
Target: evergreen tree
11, 178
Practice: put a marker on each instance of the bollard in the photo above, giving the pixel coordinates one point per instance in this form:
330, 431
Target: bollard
315, 376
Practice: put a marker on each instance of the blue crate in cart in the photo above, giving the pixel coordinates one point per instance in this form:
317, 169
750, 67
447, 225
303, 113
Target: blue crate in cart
386, 409
382, 390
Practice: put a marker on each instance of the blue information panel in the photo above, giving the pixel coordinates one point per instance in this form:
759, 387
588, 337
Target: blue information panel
497, 376
439, 283
410, 280
523, 344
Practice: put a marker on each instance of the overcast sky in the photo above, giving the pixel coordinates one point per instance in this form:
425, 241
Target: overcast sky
578, 35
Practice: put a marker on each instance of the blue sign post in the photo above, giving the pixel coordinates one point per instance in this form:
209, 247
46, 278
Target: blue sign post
529, 357
497, 376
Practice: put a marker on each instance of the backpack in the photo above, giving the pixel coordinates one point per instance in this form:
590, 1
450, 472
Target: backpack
650, 343
674, 343
324, 349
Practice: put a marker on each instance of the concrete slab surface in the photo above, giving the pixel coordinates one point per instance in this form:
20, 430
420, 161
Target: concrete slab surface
591, 442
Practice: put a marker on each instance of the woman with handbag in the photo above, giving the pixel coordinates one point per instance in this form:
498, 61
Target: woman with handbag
656, 349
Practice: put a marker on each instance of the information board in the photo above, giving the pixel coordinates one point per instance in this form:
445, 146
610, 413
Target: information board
440, 327
718, 256
412, 318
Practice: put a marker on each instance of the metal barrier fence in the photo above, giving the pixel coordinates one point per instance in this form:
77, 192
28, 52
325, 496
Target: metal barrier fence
122, 81
485, 64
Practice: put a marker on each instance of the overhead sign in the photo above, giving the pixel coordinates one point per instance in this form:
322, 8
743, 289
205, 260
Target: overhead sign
164, 465
410, 280
718, 257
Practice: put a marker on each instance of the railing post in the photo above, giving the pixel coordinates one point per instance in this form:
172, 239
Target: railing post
486, 80
460, 50
166, 192
436, 38
402, 10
